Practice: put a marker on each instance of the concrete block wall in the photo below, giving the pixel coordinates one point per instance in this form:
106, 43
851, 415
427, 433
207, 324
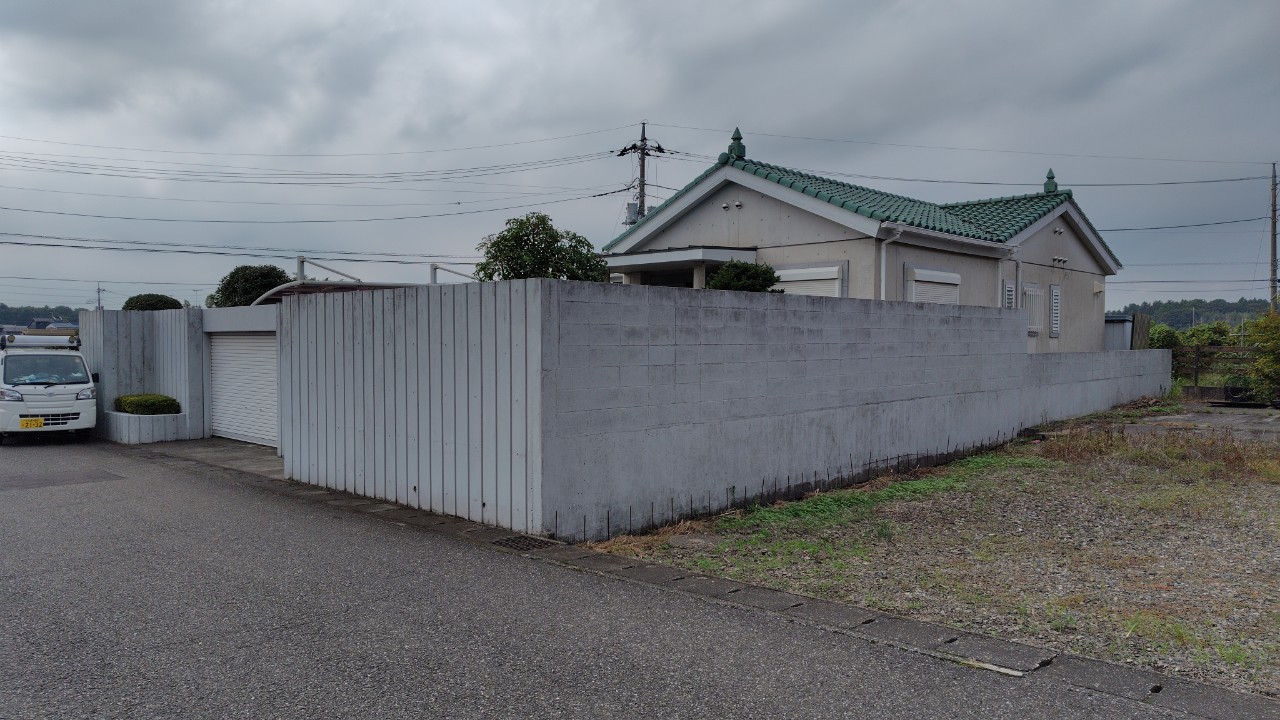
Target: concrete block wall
583, 410
660, 403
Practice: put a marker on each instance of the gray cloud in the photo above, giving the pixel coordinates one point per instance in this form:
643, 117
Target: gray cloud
1151, 79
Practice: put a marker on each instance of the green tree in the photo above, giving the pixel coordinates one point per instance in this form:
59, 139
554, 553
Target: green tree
245, 284
151, 301
1264, 335
531, 247
739, 275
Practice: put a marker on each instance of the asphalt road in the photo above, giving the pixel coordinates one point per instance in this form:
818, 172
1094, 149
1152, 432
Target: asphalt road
133, 589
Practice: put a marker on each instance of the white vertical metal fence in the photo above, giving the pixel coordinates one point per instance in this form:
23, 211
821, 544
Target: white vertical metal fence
426, 396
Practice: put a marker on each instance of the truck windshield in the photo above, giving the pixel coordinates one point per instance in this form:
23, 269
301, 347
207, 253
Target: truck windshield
45, 370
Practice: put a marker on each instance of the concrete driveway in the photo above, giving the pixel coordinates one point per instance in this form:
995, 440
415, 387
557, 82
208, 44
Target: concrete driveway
1252, 423
135, 585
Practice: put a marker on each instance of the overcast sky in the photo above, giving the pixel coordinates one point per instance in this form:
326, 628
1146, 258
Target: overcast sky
258, 104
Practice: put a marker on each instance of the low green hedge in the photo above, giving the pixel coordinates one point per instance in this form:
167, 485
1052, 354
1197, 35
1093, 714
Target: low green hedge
147, 404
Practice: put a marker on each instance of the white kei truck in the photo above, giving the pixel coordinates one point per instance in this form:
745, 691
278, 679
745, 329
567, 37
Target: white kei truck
45, 386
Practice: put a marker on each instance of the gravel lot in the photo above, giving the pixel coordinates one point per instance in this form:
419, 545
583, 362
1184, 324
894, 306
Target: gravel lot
1154, 549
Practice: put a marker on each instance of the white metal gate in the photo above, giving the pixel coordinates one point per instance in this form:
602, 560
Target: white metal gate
243, 387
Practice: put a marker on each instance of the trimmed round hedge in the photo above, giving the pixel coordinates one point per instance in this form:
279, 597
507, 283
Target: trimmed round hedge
147, 404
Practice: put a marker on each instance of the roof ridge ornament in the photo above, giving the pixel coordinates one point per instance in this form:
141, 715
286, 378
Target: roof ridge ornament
1050, 185
736, 148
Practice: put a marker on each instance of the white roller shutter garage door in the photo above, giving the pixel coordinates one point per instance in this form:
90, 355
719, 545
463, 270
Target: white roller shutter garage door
243, 387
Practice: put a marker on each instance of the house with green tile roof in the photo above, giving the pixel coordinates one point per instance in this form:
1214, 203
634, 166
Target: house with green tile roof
1037, 252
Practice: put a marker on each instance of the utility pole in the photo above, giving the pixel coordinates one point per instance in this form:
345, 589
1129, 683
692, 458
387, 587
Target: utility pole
1275, 269
644, 150
99, 296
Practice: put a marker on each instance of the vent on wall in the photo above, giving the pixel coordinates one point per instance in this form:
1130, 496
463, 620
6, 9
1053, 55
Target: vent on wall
1009, 294
1055, 310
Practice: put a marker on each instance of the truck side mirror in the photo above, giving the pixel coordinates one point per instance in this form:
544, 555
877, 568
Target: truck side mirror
95, 378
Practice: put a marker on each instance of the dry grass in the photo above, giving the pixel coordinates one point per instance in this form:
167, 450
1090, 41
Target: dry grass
1155, 549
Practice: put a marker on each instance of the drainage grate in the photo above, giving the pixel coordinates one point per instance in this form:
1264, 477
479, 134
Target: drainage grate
524, 542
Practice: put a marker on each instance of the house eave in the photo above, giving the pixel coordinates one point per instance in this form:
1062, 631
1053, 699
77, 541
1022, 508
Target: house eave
910, 235
676, 258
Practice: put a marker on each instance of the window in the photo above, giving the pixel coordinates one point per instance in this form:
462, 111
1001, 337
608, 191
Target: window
45, 370
1033, 301
1008, 294
1055, 310
933, 286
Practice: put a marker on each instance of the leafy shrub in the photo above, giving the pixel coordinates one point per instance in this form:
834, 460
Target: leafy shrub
744, 276
1163, 337
151, 301
147, 404
1207, 334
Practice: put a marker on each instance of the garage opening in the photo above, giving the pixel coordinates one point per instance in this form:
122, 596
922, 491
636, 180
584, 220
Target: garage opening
244, 387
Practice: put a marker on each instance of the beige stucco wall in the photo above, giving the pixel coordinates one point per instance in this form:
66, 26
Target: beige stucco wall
1083, 322
979, 276
762, 221
856, 258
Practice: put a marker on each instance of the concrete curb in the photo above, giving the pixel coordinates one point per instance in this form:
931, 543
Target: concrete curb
1006, 658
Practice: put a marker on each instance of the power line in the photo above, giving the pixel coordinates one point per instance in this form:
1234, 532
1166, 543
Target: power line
971, 149
1197, 264
1171, 227
306, 220
105, 282
319, 155
297, 179
517, 196
292, 252
1170, 282
241, 253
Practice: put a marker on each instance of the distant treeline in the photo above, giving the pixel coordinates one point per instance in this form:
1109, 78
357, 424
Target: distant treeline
1179, 314
22, 314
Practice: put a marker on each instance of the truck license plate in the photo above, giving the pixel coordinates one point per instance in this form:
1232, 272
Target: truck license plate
28, 423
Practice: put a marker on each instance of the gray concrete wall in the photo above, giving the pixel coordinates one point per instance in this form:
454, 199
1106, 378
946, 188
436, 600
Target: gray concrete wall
160, 351
659, 403
259, 318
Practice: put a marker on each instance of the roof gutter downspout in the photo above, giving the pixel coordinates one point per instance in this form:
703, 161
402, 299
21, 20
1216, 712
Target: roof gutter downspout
884, 254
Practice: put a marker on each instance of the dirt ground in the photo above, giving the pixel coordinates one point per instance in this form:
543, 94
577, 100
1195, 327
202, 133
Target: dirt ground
1147, 536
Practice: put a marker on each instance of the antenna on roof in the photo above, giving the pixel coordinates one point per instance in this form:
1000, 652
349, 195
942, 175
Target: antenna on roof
644, 150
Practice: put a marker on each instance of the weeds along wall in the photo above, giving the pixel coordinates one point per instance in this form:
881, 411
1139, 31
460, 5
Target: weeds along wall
583, 410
